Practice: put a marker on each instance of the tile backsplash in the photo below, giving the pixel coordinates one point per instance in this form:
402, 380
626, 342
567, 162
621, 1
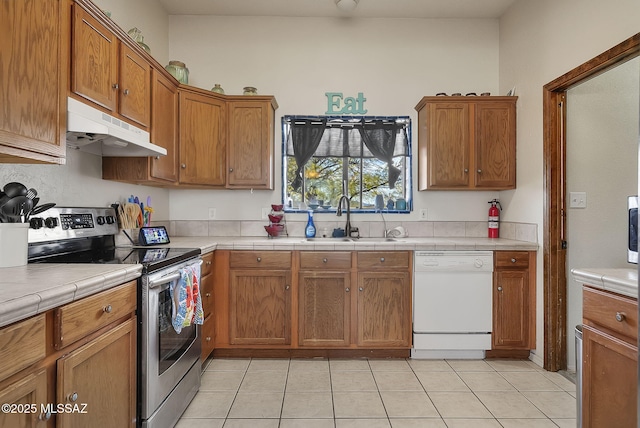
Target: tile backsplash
416, 229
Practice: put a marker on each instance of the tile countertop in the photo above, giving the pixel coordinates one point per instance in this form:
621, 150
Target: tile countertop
29, 290
621, 281
207, 244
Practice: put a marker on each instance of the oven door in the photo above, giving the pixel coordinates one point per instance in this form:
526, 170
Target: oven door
166, 356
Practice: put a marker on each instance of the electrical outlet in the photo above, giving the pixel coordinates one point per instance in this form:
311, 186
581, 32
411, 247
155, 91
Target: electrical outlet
212, 213
265, 213
577, 200
423, 214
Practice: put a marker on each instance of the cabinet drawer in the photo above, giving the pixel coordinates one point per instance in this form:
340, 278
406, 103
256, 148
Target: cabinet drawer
507, 259
78, 319
260, 259
617, 313
21, 345
207, 264
383, 259
325, 260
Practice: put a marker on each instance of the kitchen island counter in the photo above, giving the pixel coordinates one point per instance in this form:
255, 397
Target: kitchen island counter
622, 281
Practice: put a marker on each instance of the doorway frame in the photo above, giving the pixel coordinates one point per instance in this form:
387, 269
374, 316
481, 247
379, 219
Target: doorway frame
554, 235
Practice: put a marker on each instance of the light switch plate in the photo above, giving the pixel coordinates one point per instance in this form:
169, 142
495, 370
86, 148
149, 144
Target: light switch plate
212, 213
423, 214
577, 199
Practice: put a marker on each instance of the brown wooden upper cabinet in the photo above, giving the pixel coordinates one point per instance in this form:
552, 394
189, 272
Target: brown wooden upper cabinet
466, 143
251, 146
156, 170
33, 87
107, 72
202, 138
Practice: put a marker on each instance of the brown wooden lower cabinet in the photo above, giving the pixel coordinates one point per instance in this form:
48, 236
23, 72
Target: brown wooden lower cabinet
309, 301
325, 309
99, 378
206, 290
384, 309
609, 360
93, 378
260, 307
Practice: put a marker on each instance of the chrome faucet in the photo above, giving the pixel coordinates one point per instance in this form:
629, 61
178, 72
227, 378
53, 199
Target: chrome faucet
348, 229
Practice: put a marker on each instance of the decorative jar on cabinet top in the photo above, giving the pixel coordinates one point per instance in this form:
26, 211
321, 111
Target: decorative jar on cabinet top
178, 70
250, 90
217, 89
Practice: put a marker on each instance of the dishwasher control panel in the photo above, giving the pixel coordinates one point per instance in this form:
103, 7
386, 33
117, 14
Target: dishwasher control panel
459, 261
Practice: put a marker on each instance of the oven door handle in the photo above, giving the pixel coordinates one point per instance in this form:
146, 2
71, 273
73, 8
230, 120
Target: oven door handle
153, 283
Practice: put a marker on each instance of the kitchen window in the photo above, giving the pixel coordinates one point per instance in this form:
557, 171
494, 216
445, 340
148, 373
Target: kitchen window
367, 158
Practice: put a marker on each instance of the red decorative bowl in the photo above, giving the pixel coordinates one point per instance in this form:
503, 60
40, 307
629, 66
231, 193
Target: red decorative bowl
275, 218
273, 230
277, 207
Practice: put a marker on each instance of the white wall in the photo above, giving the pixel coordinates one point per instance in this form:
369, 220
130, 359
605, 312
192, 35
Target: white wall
393, 62
602, 148
539, 41
148, 16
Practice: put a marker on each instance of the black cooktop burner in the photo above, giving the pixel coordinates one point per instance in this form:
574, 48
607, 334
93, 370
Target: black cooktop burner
152, 259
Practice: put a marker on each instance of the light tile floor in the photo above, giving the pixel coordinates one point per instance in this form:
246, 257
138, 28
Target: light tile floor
320, 393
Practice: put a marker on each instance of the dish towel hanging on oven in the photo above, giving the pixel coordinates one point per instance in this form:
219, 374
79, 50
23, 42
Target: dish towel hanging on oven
186, 299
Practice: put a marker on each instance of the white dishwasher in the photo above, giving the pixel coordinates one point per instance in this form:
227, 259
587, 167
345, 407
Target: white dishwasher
452, 304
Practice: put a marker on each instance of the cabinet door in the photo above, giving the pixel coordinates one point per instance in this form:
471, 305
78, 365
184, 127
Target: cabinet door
384, 309
206, 290
511, 309
33, 80
325, 302
495, 136
164, 127
202, 140
260, 307
102, 375
30, 390
448, 145
135, 87
250, 163
94, 64
610, 381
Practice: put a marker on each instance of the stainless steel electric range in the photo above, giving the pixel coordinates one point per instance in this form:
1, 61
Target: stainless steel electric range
168, 362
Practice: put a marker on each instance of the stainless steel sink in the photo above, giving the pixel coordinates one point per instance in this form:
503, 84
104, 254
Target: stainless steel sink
343, 239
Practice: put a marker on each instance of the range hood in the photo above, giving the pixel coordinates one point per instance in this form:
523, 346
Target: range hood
90, 130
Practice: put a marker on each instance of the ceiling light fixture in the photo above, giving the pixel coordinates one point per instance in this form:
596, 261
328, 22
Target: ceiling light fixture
347, 5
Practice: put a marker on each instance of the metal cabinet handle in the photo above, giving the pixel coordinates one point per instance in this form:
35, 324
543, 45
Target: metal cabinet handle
620, 316
208, 294
381, 259
45, 416
259, 259
126, 92
466, 170
347, 289
230, 169
115, 86
513, 260
287, 287
183, 166
107, 309
479, 171
73, 397
499, 288
208, 338
324, 260
157, 158
361, 289
208, 263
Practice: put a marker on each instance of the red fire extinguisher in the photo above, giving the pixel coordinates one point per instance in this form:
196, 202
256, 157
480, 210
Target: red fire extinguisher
494, 219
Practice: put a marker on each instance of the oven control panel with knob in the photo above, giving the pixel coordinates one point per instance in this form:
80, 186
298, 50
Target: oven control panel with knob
72, 222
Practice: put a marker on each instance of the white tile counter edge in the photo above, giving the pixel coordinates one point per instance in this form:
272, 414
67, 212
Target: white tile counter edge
621, 281
29, 290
